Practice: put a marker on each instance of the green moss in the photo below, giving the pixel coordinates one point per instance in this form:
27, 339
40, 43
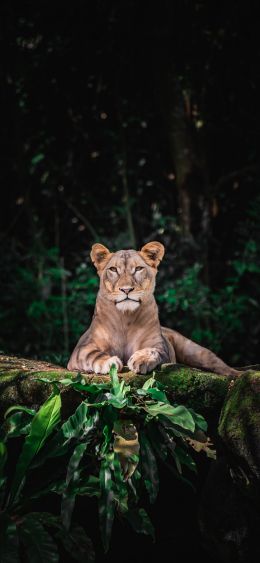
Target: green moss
241, 408
193, 387
15, 375
10, 375
239, 425
197, 389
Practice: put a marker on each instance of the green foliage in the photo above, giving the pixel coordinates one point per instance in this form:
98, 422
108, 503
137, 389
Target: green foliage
219, 318
38, 542
41, 427
52, 304
48, 307
108, 449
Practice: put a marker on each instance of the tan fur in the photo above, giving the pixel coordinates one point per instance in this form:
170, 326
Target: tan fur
125, 328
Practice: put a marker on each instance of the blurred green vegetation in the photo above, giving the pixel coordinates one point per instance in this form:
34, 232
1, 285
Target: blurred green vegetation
45, 307
117, 141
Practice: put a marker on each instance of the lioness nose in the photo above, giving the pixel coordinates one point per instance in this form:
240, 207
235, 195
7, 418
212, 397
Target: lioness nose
126, 289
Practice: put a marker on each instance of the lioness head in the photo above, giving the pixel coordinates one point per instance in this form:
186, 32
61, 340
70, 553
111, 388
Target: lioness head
127, 277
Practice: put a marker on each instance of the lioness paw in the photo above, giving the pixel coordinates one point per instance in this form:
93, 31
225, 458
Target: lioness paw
103, 366
144, 360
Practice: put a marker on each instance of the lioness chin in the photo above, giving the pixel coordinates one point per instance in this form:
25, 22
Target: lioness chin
125, 328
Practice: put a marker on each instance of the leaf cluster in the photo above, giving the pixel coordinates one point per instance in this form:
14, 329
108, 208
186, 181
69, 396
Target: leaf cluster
109, 449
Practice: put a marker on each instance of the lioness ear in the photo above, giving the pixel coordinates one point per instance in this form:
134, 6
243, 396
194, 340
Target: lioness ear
99, 255
152, 253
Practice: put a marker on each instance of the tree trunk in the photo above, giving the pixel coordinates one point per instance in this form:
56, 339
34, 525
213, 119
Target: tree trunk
188, 159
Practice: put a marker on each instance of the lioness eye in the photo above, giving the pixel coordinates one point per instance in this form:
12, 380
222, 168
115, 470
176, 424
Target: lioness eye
112, 269
139, 268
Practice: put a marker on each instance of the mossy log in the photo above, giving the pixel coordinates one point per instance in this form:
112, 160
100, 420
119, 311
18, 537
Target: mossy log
19, 384
229, 507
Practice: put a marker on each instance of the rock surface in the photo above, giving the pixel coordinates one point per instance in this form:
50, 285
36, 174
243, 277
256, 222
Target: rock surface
239, 425
230, 503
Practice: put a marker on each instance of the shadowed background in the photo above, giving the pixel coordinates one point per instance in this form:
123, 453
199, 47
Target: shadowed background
124, 123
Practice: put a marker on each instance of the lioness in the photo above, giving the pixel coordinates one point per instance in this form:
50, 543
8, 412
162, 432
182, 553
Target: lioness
125, 328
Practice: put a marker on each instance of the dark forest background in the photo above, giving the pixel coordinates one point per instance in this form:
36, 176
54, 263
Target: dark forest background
125, 122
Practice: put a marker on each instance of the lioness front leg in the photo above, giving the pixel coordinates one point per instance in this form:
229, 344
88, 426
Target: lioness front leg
144, 360
87, 359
